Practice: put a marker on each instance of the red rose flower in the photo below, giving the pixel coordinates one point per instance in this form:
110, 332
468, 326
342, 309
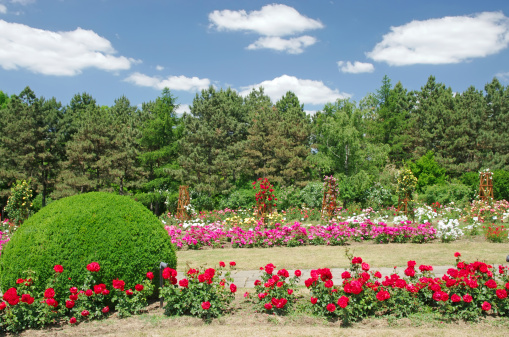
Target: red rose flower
27, 299
262, 295
298, 273
19, 281
457, 254
455, 298
486, 306
329, 284
331, 307
93, 267
118, 284
73, 297
343, 301
58, 269
85, 313
129, 292
383, 295
184, 283
346, 275
105, 310
72, 320
105, 292
365, 266
467, 298
89, 292
290, 291
314, 300
233, 288
69, 304
138, 287
150, 275
410, 272
222, 264
49, 293
491, 284
73, 290
232, 264
52, 302
205, 305
378, 274
268, 306
501, 293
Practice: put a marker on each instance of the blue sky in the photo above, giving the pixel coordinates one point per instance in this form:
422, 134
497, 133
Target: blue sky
321, 50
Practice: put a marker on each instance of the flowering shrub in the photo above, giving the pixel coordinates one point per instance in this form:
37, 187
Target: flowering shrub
3, 240
449, 230
298, 234
19, 203
275, 292
265, 198
22, 307
202, 293
496, 233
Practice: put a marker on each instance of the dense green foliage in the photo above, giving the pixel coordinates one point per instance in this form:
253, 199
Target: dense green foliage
123, 236
228, 141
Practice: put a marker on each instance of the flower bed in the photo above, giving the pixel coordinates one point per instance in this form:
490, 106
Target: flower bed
216, 234
469, 291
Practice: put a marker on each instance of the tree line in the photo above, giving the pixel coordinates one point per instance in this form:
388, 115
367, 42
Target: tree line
227, 141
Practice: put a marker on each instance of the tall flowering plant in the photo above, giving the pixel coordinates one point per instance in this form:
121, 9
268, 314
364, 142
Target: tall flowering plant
204, 293
265, 198
331, 192
19, 203
275, 292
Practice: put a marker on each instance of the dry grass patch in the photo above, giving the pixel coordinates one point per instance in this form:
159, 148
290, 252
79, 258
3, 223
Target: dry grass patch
378, 255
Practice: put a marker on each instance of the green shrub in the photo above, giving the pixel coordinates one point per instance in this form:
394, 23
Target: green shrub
37, 203
242, 198
501, 185
120, 234
427, 171
288, 196
312, 194
444, 194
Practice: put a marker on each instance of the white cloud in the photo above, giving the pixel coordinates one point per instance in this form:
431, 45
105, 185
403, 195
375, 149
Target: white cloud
451, 39
3, 9
294, 45
182, 108
271, 20
308, 91
355, 68
503, 76
56, 53
23, 2
159, 68
191, 84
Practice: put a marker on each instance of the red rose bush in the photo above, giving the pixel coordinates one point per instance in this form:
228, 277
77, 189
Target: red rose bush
204, 293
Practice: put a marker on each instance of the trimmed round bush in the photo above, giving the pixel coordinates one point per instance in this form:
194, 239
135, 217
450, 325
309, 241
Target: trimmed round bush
120, 234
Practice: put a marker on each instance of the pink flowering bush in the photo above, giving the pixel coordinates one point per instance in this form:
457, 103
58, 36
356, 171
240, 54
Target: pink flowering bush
203, 293
333, 234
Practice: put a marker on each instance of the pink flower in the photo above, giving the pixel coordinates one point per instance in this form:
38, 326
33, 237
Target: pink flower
233, 288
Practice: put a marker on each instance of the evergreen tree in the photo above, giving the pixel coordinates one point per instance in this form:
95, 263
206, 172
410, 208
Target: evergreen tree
211, 152
161, 131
